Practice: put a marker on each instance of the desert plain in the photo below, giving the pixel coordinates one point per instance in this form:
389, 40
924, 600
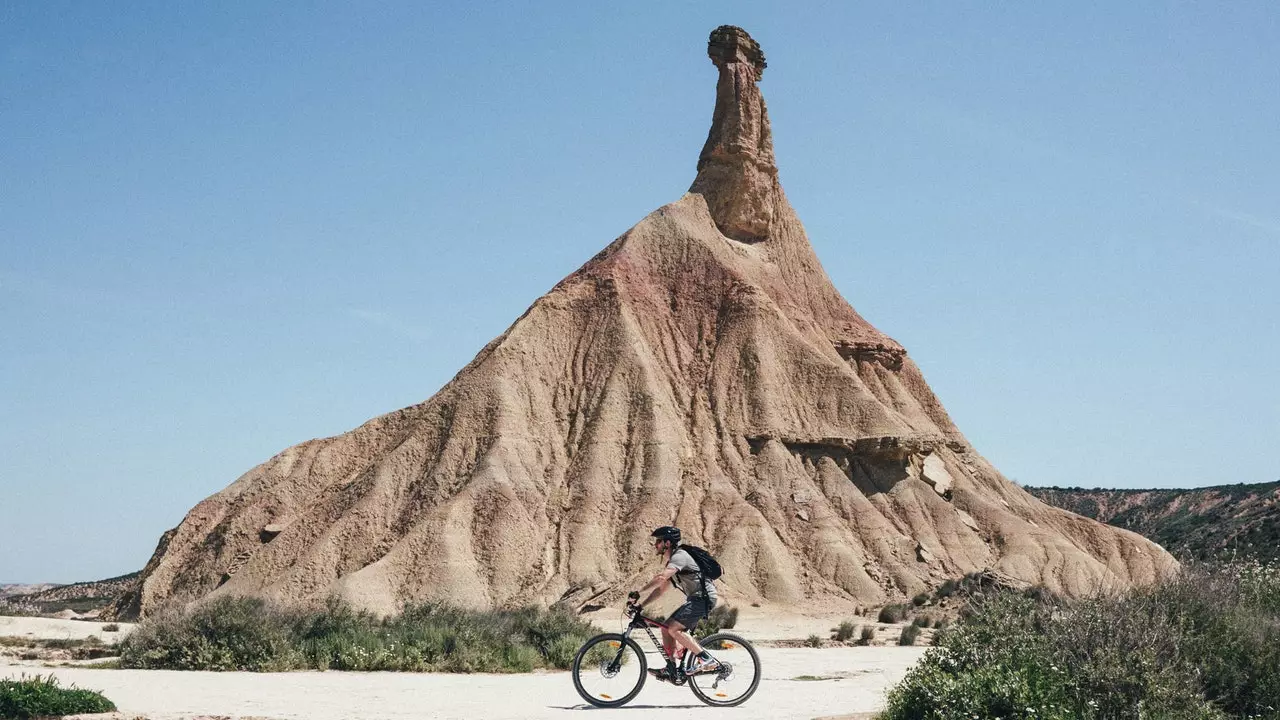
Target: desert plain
798, 682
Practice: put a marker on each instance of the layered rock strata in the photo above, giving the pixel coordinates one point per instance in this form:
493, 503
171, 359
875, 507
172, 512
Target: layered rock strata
700, 371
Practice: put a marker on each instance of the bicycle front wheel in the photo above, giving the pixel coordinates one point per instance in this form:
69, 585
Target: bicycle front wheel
738, 675
609, 670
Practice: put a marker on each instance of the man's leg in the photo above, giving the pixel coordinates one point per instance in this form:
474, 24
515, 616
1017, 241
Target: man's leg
669, 642
682, 637
669, 645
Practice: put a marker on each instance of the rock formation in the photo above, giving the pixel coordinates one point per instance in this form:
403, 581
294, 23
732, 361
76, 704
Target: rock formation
701, 371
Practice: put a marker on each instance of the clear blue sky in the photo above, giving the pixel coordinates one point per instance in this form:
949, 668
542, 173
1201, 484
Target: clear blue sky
226, 228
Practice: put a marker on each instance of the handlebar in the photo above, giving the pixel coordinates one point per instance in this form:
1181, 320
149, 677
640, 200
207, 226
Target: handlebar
633, 608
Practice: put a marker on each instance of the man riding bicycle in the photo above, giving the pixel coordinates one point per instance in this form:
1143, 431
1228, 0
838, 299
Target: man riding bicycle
700, 597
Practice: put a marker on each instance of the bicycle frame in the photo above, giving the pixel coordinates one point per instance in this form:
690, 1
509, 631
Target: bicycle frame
647, 624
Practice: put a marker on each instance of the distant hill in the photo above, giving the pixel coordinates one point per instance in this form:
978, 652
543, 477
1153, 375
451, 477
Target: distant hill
10, 590
81, 598
1201, 523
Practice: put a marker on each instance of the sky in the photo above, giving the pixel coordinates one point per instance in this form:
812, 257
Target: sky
227, 228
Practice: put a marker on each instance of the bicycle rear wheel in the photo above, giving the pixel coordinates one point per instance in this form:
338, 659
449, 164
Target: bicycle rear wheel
609, 670
738, 676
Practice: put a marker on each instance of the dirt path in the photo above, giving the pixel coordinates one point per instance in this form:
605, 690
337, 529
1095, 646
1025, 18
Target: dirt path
858, 679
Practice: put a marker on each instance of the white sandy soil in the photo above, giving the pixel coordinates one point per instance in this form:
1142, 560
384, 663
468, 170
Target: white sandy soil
860, 677
54, 629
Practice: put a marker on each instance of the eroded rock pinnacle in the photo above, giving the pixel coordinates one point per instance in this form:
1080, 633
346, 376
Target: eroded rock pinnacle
736, 170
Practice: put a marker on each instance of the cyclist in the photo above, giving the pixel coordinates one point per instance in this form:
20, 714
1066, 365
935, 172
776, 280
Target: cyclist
700, 597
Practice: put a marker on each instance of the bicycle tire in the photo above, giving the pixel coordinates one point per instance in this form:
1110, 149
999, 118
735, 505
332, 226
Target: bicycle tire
609, 702
711, 642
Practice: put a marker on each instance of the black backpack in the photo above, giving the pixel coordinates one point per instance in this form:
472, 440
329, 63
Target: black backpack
708, 567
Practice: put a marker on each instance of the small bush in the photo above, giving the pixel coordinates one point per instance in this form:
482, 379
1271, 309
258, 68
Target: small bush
844, 631
890, 614
909, 635
813, 641
922, 622
43, 697
111, 627
722, 617
920, 599
867, 635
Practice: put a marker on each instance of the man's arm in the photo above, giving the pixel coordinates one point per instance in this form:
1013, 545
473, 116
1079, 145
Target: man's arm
657, 585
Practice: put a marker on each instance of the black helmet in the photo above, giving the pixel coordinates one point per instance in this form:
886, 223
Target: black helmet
666, 532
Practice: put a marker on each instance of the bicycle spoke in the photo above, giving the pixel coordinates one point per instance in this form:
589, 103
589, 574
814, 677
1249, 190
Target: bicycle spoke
608, 671
737, 677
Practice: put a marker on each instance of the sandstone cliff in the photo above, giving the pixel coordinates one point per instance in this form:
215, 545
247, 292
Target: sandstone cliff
701, 370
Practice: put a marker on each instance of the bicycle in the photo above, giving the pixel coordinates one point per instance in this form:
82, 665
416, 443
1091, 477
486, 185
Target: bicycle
610, 669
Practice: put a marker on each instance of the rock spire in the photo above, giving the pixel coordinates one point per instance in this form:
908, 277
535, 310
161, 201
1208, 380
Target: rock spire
736, 170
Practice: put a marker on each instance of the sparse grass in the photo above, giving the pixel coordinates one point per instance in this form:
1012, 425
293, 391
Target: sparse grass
111, 627
88, 648
43, 697
1202, 646
813, 641
249, 634
844, 631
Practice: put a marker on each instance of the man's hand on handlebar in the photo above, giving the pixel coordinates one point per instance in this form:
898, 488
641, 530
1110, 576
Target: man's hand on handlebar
633, 604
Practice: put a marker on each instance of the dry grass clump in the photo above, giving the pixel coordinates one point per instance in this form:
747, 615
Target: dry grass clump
1202, 646
248, 634
909, 635
844, 631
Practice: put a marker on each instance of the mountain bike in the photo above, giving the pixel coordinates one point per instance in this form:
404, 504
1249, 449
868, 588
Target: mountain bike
610, 669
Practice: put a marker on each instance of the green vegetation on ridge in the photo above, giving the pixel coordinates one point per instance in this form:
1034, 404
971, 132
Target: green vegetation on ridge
1240, 521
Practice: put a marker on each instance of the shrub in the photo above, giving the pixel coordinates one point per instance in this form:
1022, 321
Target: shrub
890, 614
247, 634
722, 617
922, 622
43, 697
920, 599
868, 634
111, 627
813, 641
228, 633
1204, 645
909, 635
844, 631
948, 588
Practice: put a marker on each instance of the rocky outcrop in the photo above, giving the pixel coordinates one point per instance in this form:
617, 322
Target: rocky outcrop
1224, 521
737, 175
700, 371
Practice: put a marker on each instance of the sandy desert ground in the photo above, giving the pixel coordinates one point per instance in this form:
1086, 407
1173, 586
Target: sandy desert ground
856, 679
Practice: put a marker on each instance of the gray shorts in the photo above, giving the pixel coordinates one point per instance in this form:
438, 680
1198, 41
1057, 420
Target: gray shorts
693, 610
